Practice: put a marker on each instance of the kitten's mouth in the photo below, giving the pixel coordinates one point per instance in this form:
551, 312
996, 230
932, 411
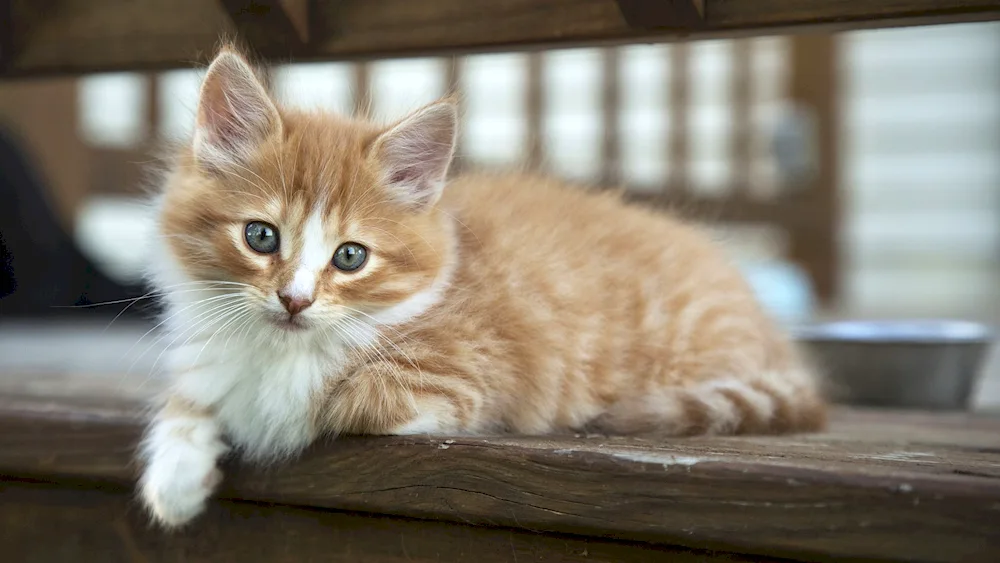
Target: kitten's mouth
289, 323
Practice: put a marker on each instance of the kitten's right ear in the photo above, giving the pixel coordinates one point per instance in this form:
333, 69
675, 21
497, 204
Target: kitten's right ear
235, 114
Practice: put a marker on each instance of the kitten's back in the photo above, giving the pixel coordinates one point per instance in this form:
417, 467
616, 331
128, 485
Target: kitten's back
625, 318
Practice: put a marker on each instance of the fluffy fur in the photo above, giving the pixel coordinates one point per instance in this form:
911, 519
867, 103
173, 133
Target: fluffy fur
503, 303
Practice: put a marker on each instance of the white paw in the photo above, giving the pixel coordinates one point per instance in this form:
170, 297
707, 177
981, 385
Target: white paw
175, 499
180, 473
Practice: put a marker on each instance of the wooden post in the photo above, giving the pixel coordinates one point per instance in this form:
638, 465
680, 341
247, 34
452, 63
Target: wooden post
362, 91
677, 146
610, 113
742, 118
814, 86
535, 106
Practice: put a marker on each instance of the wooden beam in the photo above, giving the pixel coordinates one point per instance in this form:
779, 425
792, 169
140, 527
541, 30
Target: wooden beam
699, 6
63, 522
663, 14
6, 33
17, 25
853, 492
271, 24
91, 35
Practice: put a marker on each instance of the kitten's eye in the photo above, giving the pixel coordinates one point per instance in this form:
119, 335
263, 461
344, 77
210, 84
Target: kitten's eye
261, 237
350, 257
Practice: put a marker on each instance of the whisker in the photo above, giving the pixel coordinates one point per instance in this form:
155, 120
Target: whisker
173, 315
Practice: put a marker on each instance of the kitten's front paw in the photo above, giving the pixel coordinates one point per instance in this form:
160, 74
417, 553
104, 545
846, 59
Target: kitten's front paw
176, 496
180, 453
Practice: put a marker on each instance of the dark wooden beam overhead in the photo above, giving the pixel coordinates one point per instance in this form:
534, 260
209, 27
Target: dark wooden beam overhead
271, 24
77, 36
6, 33
663, 14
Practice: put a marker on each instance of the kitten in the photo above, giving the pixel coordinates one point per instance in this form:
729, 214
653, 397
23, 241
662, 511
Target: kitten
321, 279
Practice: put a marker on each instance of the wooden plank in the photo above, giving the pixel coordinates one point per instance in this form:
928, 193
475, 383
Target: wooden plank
663, 14
91, 35
44, 522
271, 25
878, 485
7, 44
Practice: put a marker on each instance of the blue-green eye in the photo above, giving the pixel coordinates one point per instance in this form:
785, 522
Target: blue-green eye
261, 237
350, 257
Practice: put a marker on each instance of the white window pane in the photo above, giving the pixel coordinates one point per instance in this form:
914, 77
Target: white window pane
710, 115
572, 127
643, 115
113, 109
402, 85
315, 86
178, 102
493, 91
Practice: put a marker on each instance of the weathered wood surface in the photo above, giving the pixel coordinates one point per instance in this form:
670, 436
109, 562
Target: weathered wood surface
878, 485
73, 36
42, 522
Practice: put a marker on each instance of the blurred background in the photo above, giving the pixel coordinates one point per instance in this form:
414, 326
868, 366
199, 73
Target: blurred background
882, 200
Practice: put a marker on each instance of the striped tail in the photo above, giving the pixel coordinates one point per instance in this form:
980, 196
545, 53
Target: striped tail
771, 403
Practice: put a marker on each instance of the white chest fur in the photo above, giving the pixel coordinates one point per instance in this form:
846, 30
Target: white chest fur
264, 396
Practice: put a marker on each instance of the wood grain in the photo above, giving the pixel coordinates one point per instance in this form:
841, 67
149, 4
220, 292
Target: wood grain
42, 522
90, 35
663, 14
879, 485
271, 25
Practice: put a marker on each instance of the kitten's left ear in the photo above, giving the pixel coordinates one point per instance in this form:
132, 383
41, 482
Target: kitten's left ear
235, 113
415, 154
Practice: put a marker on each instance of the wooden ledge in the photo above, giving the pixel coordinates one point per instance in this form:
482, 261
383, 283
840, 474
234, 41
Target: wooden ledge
898, 486
77, 36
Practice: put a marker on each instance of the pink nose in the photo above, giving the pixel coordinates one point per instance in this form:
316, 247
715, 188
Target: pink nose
294, 305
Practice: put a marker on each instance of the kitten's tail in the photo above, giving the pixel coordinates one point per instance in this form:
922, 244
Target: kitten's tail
769, 403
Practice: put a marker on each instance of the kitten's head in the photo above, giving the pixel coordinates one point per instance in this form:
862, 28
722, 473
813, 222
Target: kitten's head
303, 221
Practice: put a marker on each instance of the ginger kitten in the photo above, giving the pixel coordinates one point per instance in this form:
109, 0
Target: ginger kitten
321, 278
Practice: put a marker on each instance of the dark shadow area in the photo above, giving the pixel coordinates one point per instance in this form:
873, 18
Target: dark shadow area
42, 272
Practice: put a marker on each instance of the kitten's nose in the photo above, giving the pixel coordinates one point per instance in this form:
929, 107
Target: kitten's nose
294, 305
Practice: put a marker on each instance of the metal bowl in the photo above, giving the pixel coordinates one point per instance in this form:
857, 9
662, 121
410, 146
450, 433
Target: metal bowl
902, 364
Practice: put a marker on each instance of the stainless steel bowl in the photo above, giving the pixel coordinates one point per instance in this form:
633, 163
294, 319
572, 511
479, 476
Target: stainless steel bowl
901, 364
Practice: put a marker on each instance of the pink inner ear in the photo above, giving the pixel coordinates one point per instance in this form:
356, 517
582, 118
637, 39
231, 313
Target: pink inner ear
416, 153
404, 175
231, 120
222, 128
234, 113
